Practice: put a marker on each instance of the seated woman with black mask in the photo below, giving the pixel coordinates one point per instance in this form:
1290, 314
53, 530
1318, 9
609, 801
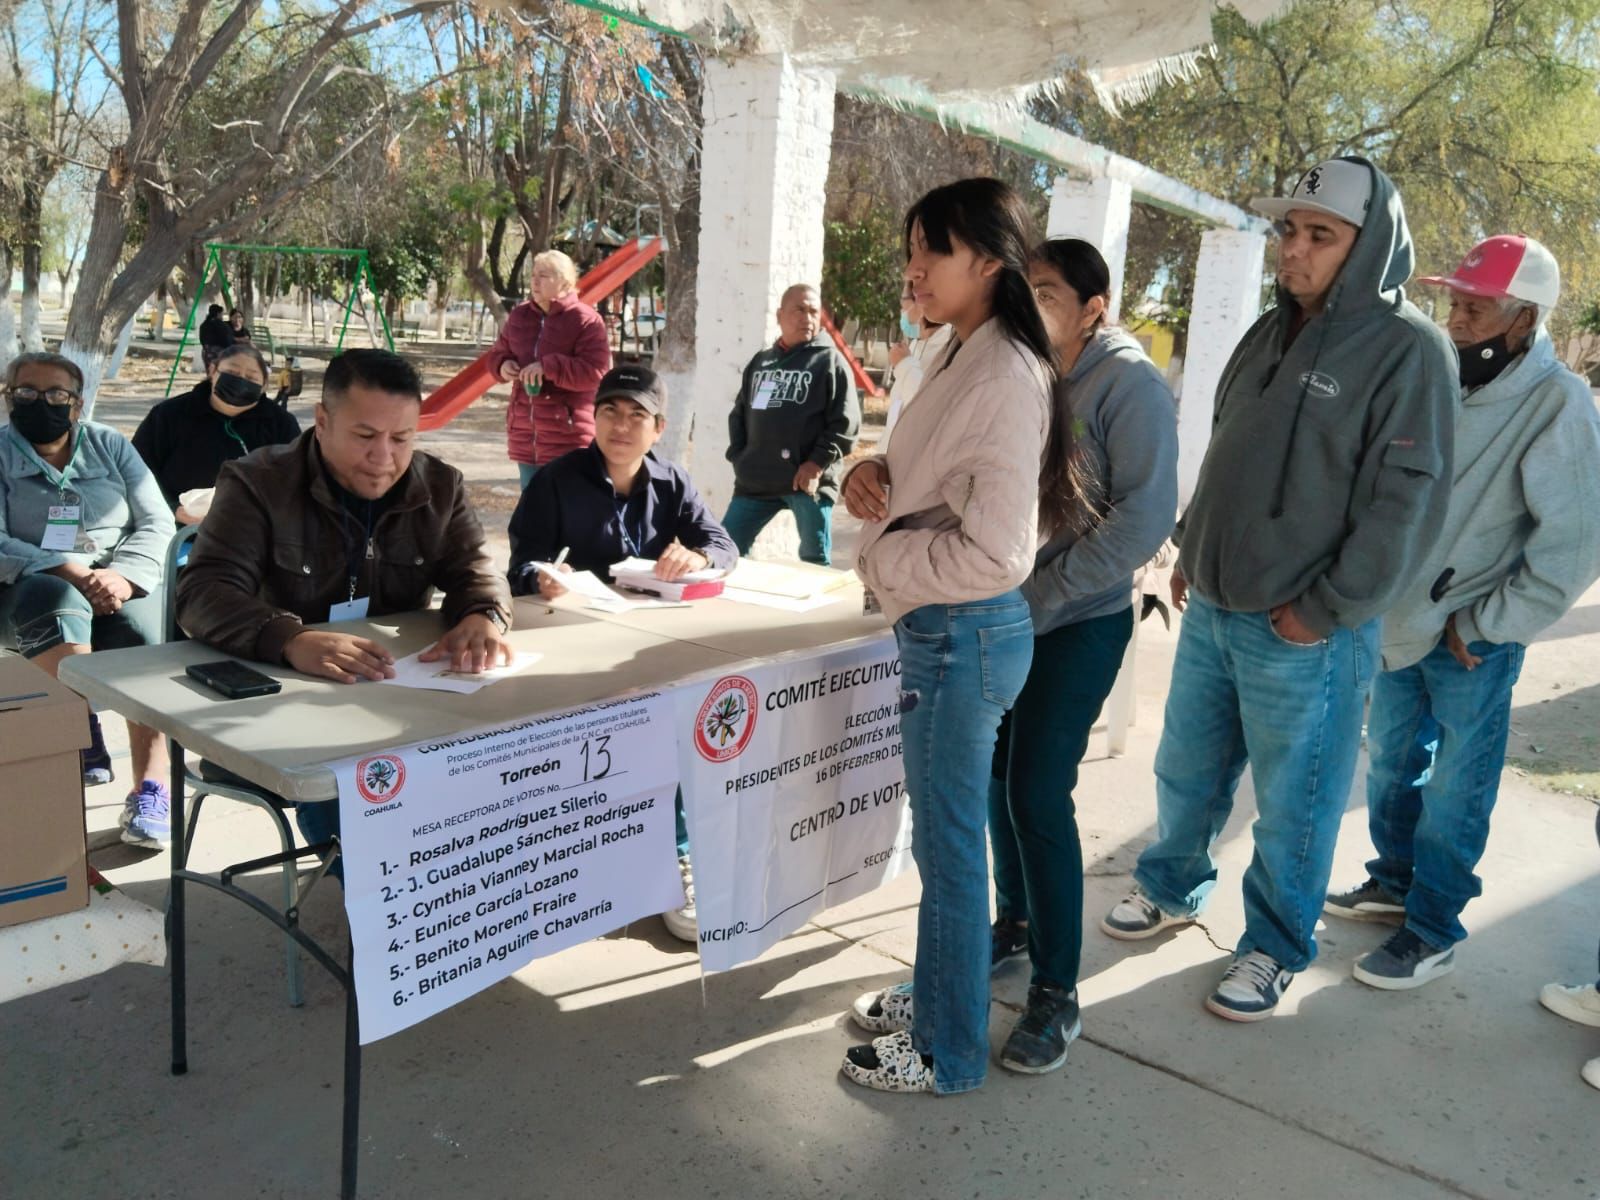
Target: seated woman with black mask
186, 439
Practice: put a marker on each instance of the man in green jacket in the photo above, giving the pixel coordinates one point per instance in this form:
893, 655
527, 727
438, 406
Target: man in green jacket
1323, 488
794, 421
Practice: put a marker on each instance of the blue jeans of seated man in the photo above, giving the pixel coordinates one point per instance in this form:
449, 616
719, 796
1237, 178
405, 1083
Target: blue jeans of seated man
747, 516
1437, 739
1240, 693
961, 666
41, 612
1033, 825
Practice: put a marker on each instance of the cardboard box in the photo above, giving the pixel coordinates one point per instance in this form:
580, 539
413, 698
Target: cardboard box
43, 857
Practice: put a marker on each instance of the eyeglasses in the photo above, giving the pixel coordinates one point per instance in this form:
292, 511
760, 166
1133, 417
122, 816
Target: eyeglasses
60, 397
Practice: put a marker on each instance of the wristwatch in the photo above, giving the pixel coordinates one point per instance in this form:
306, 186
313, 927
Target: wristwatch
499, 618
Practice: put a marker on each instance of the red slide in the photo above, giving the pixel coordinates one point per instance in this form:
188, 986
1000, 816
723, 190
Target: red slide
460, 390
864, 383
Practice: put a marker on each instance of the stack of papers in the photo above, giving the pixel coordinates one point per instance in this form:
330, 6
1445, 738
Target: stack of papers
595, 593
790, 587
639, 574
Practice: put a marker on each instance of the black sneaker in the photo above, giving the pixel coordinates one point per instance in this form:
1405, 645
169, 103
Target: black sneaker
1008, 939
1369, 902
1405, 961
1040, 1039
96, 760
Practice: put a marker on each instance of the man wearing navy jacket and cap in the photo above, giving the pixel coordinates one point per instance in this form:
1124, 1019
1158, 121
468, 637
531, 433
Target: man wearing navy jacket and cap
614, 499
1323, 488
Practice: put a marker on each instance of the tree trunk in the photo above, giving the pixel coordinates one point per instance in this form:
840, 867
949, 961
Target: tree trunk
675, 357
30, 221
8, 314
158, 322
120, 351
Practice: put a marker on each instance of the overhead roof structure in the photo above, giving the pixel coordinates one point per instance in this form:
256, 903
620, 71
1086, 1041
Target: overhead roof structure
954, 50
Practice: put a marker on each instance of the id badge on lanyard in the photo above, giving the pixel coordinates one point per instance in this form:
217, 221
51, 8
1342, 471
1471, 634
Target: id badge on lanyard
62, 527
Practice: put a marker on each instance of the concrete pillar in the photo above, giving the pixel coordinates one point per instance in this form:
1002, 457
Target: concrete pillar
1098, 211
1227, 299
768, 133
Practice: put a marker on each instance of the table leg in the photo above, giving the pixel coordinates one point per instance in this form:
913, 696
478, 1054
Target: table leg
349, 1147
175, 917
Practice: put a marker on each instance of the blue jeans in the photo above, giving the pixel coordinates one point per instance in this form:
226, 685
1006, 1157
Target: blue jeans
1033, 824
962, 666
1437, 738
1242, 693
41, 612
525, 474
747, 516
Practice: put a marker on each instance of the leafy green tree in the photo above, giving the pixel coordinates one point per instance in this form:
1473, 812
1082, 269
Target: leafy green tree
861, 269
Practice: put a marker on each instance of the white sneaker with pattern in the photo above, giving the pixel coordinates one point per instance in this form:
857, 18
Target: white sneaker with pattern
888, 1011
890, 1064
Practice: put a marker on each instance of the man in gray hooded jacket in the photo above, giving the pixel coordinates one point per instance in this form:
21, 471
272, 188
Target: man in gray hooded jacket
1324, 485
1521, 542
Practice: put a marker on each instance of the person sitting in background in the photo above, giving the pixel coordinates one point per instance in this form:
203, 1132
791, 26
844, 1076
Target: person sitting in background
613, 500
793, 423
186, 439
216, 333
347, 521
83, 536
237, 327
553, 349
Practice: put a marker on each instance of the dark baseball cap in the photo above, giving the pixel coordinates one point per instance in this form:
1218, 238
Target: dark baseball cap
639, 384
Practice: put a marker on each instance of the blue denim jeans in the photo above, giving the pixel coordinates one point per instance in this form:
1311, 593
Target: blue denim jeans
1033, 824
1241, 693
1437, 739
525, 474
41, 612
747, 516
962, 666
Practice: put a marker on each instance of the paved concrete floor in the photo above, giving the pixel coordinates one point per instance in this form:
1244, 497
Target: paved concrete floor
615, 1069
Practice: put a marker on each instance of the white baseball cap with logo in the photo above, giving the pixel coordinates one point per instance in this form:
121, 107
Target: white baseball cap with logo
1338, 187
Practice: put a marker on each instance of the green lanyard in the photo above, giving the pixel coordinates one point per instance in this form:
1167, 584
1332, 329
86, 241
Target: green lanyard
61, 484
227, 426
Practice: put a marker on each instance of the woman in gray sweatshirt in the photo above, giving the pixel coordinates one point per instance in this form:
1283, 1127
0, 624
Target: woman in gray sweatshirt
1081, 598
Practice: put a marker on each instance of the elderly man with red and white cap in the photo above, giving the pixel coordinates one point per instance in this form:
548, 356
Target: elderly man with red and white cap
1521, 542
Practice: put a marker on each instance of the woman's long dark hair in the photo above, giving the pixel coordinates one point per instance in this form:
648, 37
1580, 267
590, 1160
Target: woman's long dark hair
990, 217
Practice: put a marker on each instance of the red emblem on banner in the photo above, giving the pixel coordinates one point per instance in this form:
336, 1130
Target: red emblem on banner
727, 719
380, 778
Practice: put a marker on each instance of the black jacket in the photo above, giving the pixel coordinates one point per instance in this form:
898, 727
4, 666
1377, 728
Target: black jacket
217, 332
794, 406
571, 505
184, 441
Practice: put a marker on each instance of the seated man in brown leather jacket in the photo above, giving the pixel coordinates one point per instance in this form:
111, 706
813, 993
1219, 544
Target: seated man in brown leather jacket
347, 521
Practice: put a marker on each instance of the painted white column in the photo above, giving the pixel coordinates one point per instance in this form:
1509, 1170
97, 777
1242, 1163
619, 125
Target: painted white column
1227, 299
768, 134
1098, 211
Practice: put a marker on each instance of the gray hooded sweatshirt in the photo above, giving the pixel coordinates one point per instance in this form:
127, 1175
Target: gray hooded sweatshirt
1521, 541
1328, 472
1126, 428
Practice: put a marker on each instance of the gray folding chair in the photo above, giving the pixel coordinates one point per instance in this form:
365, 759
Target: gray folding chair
223, 783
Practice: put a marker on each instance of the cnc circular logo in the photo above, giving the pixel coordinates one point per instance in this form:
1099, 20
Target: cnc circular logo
380, 778
727, 719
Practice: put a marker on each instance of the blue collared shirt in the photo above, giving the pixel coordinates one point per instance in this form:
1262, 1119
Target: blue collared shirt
571, 505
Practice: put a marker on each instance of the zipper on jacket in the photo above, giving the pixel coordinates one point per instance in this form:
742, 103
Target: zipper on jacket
972, 483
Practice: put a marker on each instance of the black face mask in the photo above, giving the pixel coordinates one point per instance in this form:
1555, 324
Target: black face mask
237, 390
42, 423
1483, 361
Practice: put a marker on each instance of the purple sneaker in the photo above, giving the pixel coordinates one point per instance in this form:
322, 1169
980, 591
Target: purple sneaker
147, 816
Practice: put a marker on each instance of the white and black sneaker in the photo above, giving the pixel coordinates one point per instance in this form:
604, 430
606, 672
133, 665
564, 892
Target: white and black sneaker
890, 1064
1136, 917
1250, 988
888, 1011
1405, 961
1369, 902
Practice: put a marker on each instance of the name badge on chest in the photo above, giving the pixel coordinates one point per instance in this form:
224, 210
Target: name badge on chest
61, 527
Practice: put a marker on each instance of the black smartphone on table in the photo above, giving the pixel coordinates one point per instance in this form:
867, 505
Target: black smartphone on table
233, 679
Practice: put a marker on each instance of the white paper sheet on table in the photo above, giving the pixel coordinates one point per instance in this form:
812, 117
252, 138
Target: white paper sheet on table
791, 604
596, 594
412, 672
647, 566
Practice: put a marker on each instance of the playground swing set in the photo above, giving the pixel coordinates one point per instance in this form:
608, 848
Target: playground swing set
362, 273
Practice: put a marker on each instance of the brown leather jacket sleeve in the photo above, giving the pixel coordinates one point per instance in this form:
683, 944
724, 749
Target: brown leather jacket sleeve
465, 573
219, 591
